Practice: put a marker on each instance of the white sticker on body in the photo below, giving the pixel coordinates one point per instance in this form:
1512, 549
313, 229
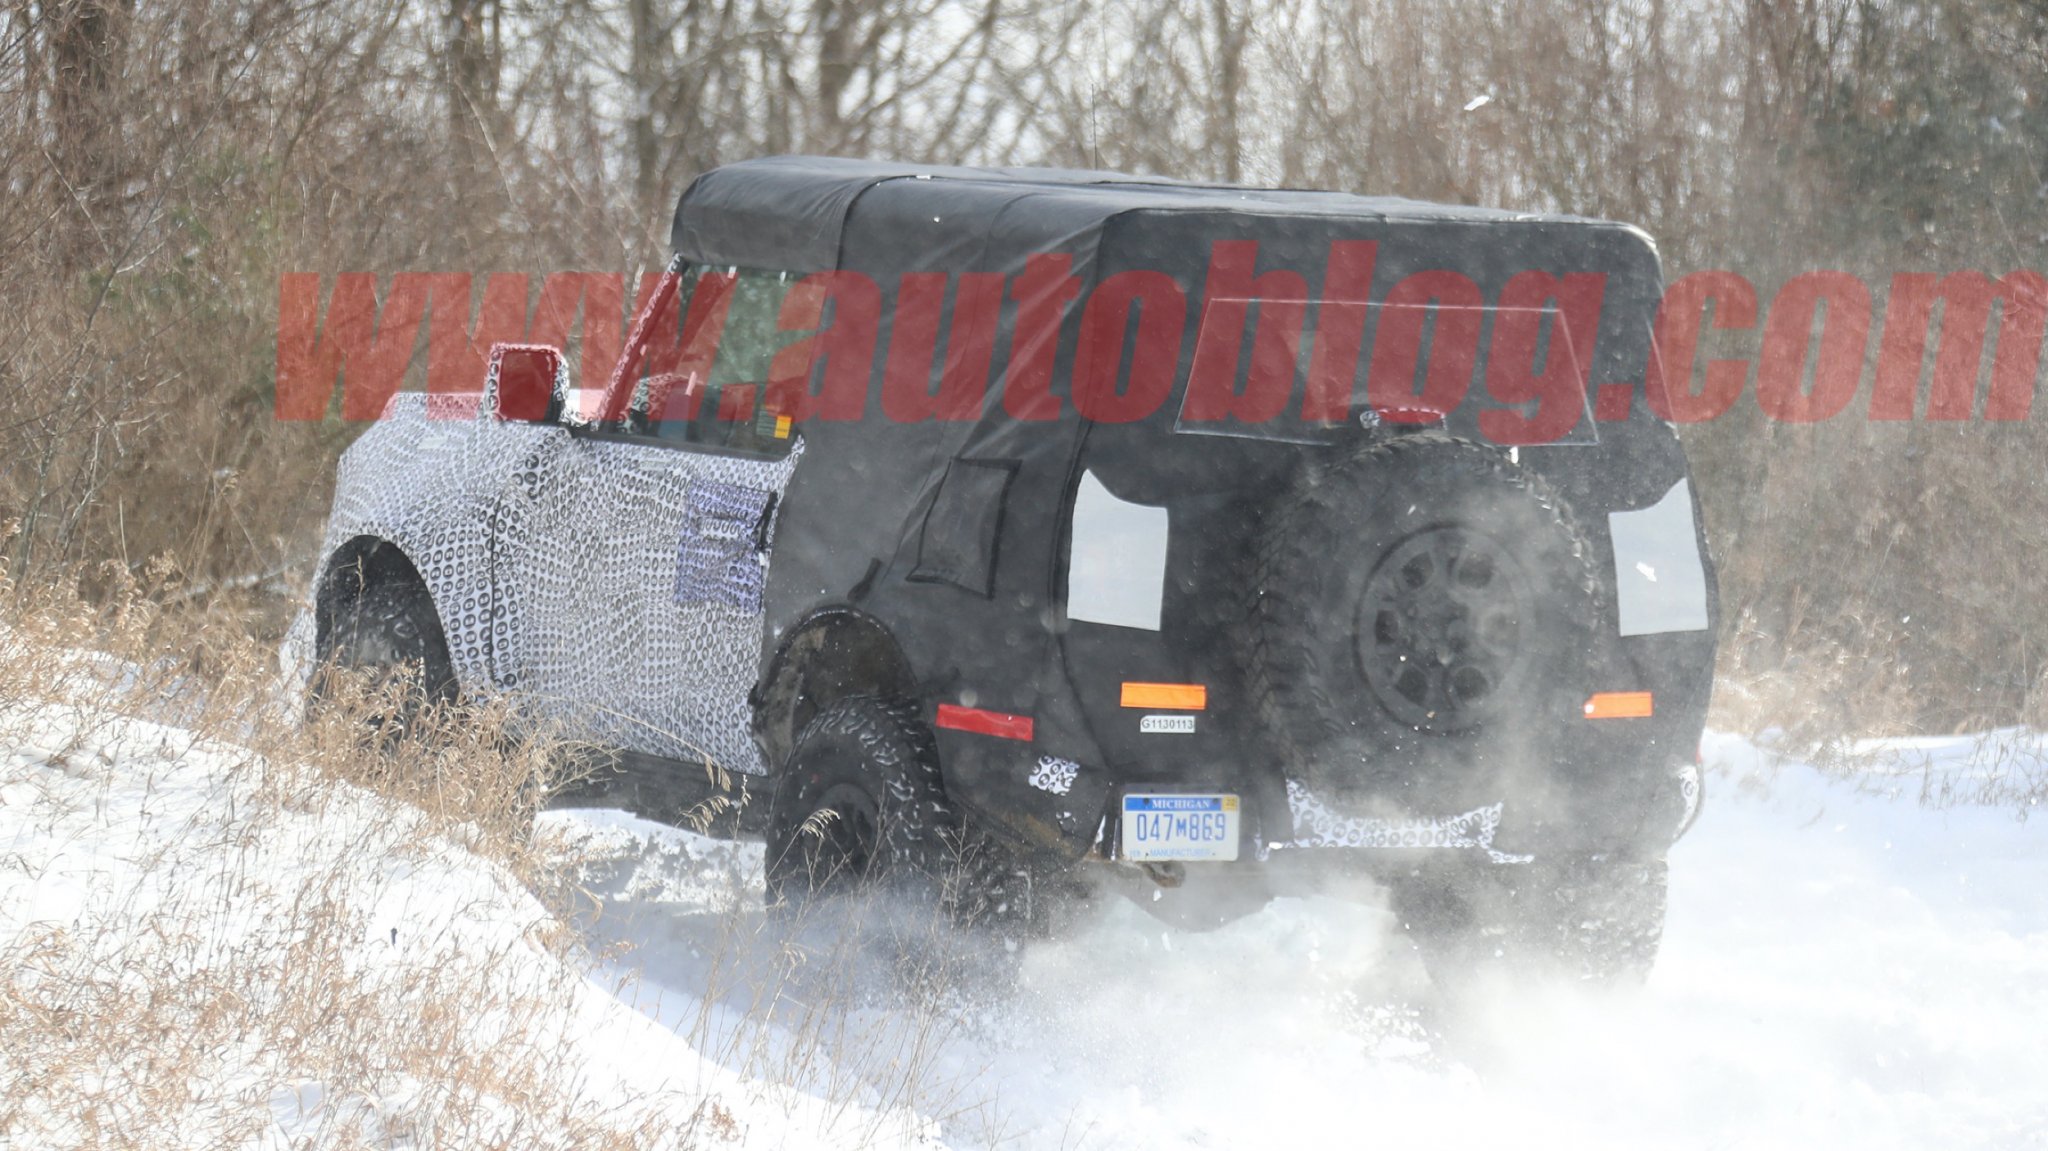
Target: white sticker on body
1117, 573
1661, 584
1167, 725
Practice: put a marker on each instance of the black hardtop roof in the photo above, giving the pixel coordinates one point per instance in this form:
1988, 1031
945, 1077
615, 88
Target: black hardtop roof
790, 211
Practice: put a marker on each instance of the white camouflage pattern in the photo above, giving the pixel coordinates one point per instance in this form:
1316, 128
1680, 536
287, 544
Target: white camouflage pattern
611, 586
1316, 825
1054, 774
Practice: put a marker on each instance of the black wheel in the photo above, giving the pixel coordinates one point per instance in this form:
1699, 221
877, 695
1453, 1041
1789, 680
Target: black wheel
1415, 607
859, 802
1586, 919
389, 633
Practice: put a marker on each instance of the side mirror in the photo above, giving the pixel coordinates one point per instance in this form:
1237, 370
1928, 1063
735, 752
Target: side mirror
526, 384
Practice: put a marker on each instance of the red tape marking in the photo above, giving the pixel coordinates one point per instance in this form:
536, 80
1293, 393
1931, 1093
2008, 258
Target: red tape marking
996, 723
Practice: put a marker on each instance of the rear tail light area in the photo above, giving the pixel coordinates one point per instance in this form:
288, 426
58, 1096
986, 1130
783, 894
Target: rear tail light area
1620, 705
1166, 696
1000, 724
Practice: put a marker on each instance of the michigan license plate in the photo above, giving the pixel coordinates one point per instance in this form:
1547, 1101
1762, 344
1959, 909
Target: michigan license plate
1179, 826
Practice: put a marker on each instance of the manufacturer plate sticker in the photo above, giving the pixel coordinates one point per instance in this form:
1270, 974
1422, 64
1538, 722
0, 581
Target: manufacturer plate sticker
1167, 725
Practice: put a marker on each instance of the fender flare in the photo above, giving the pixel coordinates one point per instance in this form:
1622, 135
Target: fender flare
360, 562
834, 652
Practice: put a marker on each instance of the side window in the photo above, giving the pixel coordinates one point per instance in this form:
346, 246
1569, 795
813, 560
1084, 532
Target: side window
730, 315
958, 542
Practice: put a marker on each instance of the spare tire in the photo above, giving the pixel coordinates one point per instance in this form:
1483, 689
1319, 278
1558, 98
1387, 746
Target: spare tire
1419, 607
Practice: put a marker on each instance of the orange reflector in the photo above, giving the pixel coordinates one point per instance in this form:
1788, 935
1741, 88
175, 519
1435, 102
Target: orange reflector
1166, 696
1620, 705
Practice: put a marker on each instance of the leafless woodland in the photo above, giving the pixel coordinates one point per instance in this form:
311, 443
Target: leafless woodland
164, 163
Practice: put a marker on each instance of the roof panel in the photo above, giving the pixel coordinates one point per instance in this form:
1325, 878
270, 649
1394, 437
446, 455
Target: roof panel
790, 211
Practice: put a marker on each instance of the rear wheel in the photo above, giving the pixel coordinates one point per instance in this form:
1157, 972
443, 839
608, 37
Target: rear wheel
861, 806
859, 803
1587, 919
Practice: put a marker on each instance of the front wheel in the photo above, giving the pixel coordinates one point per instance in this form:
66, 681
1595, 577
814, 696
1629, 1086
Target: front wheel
390, 634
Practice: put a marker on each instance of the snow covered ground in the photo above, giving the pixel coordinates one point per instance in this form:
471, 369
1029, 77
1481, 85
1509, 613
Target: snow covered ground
1850, 962
199, 948
1843, 967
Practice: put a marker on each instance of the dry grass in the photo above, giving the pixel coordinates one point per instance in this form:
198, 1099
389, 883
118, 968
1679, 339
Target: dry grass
157, 1012
242, 964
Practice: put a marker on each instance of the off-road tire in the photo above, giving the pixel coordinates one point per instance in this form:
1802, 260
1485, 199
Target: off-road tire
859, 803
1583, 920
390, 632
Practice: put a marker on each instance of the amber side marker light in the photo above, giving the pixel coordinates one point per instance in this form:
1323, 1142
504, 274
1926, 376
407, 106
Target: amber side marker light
1620, 705
1166, 696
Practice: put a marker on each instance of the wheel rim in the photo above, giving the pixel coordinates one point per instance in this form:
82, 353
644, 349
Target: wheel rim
1442, 629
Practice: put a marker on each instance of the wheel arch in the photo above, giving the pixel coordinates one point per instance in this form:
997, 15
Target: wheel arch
362, 562
832, 654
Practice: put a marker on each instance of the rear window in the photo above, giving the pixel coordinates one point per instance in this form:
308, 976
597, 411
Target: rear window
1414, 363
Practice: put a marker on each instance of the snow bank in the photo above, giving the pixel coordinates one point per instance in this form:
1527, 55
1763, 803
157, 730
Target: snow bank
200, 948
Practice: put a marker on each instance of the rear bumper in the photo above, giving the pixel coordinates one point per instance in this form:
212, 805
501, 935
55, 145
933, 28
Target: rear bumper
1345, 857
1313, 835
1200, 896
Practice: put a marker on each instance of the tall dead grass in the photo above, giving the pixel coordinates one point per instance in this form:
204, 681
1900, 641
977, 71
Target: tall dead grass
240, 972
230, 974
